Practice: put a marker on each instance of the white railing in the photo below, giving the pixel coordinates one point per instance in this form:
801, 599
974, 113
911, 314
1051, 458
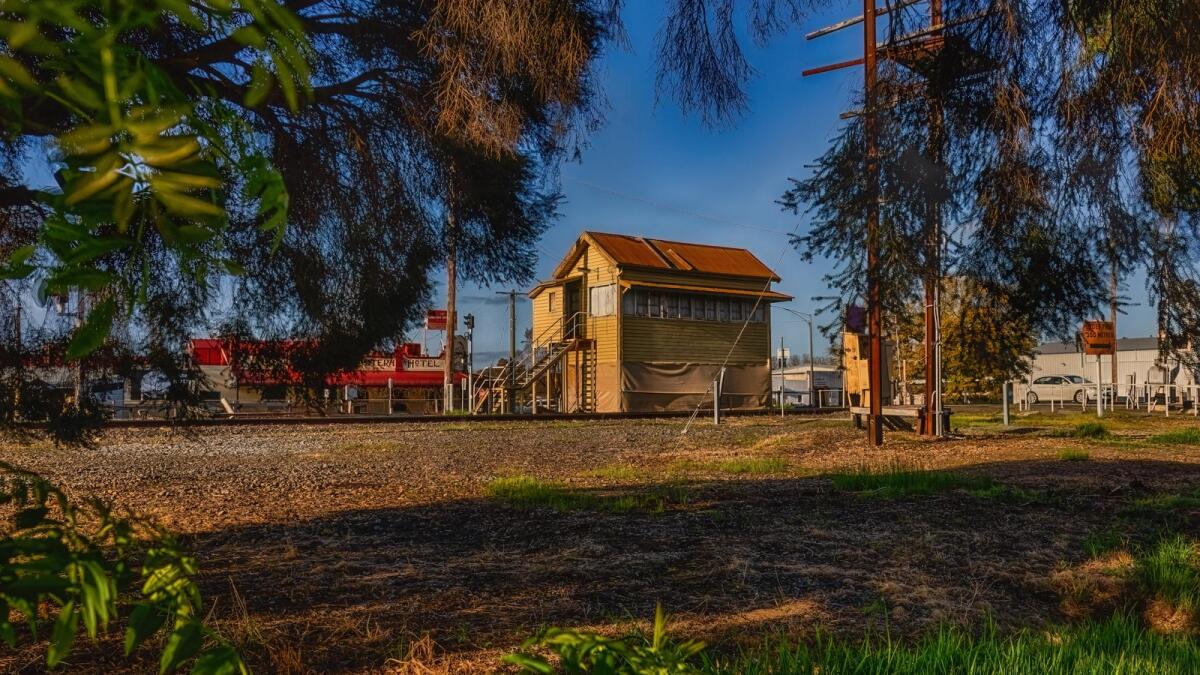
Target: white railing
1148, 394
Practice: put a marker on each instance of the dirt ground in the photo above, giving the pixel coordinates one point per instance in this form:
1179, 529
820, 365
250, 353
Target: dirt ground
337, 549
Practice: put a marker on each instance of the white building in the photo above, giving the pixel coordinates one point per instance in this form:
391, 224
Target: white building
797, 390
1138, 362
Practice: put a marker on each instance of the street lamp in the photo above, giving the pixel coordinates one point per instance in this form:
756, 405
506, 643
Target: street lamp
812, 389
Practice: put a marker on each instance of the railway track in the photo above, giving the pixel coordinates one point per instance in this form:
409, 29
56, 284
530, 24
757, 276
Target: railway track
252, 420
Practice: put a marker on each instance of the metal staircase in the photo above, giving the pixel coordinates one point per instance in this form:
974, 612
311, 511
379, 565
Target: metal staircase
545, 353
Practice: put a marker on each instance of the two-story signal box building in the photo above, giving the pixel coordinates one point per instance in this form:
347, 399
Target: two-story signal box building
638, 324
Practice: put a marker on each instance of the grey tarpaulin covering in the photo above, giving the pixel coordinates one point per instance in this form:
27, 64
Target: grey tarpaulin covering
648, 387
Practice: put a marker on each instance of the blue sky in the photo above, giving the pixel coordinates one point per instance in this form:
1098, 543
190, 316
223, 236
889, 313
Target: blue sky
676, 179
653, 171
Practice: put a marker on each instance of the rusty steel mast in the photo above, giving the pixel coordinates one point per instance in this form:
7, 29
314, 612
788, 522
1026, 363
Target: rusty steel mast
913, 51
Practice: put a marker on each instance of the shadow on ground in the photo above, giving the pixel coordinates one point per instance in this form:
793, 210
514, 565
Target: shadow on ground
738, 559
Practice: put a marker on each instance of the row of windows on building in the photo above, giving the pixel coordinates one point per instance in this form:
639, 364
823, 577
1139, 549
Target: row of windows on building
670, 305
694, 306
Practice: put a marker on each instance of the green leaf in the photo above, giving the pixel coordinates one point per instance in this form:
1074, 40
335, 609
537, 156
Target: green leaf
22, 254
182, 643
145, 620
223, 660
16, 73
63, 635
232, 267
94, 248
79, 278
260, 86
250, 36
91, 334
531, 664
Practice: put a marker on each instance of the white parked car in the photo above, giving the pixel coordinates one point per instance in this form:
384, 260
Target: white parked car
1061, 388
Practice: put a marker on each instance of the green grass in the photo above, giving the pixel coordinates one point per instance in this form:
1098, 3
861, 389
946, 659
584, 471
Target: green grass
900, 482
737, 466
1169, 501
527, 492
617, 472
1073, 455
1103, 542
763, 465
1170, 571
1092, 430
1189, 436
1118, 646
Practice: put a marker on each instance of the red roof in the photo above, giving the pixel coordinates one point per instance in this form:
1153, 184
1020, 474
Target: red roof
212, 352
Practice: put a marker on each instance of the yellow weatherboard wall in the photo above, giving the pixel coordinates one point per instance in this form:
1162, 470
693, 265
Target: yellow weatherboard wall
628, 362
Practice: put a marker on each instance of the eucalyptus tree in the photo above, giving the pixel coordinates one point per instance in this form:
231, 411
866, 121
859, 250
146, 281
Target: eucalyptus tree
321, 212
1069, 150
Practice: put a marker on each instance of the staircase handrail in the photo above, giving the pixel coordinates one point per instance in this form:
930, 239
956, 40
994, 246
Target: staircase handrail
555, 332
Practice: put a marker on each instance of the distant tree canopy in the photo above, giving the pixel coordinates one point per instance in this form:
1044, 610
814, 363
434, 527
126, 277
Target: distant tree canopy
983, 342
1069, 148
287, 159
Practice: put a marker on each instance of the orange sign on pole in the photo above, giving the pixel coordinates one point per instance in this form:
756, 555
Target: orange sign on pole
1099, 337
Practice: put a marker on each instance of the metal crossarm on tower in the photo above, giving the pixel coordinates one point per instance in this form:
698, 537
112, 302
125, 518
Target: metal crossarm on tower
939, 58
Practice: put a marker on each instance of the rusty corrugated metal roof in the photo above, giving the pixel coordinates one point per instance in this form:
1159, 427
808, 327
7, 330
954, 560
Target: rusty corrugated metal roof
682, 256
626, 250
723, 260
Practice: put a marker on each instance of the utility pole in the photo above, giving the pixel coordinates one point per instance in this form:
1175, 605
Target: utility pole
933, 255
812, 385
451, 301
469, 397
812, 382
1112, 316
782, 374
510, 386
874, 308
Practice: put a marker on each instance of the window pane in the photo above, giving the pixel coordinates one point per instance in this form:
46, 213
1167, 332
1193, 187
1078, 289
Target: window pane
685, 306
722, 309
655, 304
550, 301
710, 309
672, 306
643, 303
628, 302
